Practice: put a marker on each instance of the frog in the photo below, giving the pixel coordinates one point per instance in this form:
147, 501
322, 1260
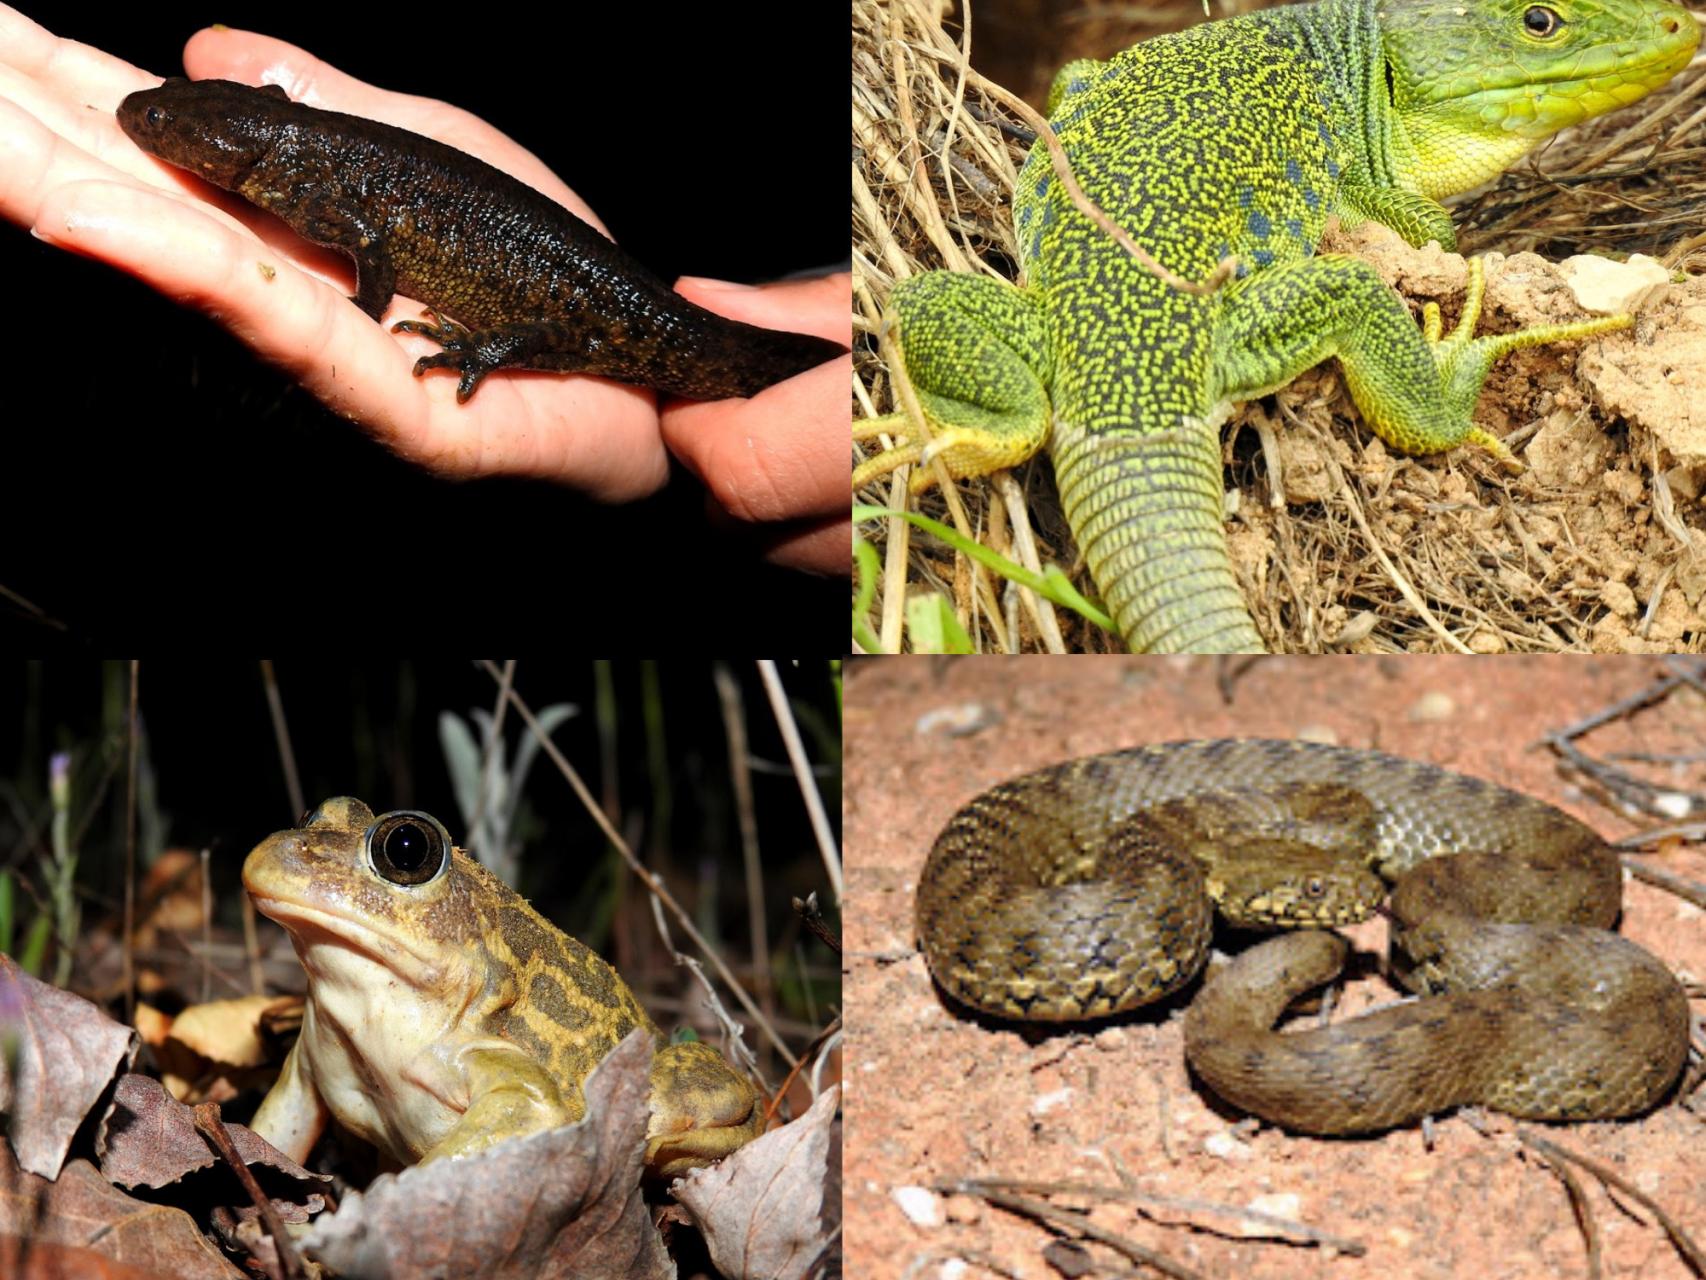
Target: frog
445, 1015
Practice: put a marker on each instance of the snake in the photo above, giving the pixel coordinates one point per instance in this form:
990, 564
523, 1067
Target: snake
1090, 888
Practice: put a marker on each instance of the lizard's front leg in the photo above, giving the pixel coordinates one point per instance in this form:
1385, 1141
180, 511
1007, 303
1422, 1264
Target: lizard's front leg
1416, 390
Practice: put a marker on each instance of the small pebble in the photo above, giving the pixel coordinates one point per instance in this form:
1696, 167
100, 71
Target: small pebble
922, 1206
1044, 1103
1223, 1144
957, 722
1432, 707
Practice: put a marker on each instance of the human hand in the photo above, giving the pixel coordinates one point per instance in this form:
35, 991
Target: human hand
77, 182
776, 463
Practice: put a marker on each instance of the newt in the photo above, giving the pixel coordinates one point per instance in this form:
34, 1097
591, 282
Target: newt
512, 279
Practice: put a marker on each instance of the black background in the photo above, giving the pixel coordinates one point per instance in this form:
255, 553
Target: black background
657, 759
159, 481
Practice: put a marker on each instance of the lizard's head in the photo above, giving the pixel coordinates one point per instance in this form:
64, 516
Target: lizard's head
1476, 84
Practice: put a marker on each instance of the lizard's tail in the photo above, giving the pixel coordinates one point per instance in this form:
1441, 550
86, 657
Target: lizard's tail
1146, 511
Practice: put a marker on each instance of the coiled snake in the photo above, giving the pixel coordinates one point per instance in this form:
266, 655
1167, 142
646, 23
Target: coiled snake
1089, 888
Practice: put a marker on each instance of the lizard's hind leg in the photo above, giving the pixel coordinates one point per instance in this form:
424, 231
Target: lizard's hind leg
977, 354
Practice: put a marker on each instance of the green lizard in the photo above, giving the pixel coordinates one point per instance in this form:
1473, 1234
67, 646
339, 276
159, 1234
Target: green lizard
1237, 139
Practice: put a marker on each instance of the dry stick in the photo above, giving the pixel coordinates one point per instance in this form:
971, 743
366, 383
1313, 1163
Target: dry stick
651, 882
209, 1124
494, 746
1295, 1231
811, 915
894, 601
293, 796
802, 773
1352, 504
1684, 1243
907, 395
1624, 785
822, 1038
1684, 888
130, 852
1581, 1208
740, 777
1076, 1222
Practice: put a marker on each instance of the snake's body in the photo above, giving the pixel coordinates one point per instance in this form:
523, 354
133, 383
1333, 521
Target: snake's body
1089, 888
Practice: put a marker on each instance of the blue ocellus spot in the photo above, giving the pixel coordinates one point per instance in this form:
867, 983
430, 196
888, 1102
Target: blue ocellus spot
1295, 226
1293, 172
1312, 198
1263, 258
1042, 186
1246, 196
1024, 217
1259, 226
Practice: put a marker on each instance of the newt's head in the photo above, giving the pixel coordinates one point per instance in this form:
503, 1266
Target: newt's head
217, 129
1476, 84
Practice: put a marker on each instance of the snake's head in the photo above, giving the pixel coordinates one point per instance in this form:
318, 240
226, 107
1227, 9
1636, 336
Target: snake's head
1294, 886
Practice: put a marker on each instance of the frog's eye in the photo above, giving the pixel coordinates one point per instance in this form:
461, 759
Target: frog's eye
406, 847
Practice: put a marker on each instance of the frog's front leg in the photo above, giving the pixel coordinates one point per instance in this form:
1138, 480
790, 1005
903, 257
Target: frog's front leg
1415, 389
701, 1110
977, 352
293, 1114
509, 1096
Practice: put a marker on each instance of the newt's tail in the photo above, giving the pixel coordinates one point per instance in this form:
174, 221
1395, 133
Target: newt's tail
734, 359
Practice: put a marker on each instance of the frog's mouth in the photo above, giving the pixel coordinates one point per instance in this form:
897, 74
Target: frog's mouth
312, 928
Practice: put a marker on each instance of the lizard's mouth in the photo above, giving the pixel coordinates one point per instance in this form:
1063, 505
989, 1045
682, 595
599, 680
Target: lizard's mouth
1539, 94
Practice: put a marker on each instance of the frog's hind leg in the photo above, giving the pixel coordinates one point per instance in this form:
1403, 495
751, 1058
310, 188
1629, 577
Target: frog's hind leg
701, 1110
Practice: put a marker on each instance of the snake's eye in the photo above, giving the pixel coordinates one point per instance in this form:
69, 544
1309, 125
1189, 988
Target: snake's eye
1541, 22
407, 847
1315, 887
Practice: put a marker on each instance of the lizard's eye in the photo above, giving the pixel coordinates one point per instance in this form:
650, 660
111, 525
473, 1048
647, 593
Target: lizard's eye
1541, 22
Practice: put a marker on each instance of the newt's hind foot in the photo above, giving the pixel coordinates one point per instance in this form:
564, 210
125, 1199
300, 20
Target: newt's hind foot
463, 351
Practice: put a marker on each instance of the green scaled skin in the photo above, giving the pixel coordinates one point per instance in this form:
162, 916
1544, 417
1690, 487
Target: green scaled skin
1237, 139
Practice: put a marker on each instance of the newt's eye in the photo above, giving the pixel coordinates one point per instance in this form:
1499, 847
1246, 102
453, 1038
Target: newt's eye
407, 847
154, 115
1541, 22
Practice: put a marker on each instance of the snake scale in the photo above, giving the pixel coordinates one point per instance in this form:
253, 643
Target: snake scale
1089, 888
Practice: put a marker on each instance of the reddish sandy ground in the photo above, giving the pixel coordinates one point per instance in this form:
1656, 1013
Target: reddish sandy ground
937, 1094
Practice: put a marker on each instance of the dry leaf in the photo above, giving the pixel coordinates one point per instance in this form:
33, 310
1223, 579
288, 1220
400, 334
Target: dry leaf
82, 1209
773, 1208
65, 1051
149, 1139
